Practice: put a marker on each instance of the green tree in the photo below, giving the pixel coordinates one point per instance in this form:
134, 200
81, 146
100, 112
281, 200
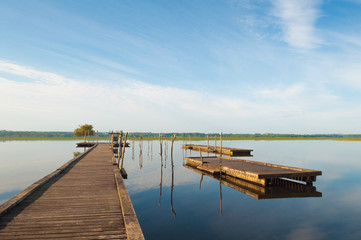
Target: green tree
84, 130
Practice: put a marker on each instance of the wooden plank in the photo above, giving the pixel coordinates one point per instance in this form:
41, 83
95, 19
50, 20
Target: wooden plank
27, 191
79, 202
253, 171
130, 219
217, 150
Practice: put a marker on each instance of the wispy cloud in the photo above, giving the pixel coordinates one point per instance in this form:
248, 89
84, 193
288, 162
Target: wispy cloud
298, 20
284, 94
59, 102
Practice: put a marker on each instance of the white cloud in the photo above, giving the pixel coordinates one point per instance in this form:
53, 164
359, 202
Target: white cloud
283, 94
48, 101
298, 20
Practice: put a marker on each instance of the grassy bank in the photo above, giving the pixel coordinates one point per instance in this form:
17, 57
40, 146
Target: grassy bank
181, 138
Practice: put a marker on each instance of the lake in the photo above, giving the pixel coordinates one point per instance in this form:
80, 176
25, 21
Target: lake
198, 206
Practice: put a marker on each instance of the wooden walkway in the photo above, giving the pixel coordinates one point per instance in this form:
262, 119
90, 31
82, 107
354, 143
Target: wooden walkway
257, 172
84, 199
235, 152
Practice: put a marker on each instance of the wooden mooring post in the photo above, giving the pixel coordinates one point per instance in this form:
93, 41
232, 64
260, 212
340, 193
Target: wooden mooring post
122, 170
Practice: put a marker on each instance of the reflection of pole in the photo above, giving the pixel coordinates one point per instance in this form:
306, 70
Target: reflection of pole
151, 149
148, 149
200, 182
161, 178
171, 193
141, 152
220, 194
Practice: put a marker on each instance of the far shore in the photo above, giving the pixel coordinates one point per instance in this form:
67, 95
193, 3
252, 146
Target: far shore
181, 138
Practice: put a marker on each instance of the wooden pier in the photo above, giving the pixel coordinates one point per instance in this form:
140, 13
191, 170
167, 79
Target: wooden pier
235, 152
84, 199
261, 173
280, 189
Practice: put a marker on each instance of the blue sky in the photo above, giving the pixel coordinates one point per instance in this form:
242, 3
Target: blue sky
207, 66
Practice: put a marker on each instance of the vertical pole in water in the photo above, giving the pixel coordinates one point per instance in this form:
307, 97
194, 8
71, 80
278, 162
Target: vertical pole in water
215, 144
221, 145
190, 140
220, 177
123, 150
97, 136
200, 154
207, 145
161, 146
119, 146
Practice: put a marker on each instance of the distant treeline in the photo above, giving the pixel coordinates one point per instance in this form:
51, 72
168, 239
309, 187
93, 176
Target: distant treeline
36, 134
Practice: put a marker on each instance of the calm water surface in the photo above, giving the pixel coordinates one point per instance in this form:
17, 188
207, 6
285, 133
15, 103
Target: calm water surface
199, 207
24, 162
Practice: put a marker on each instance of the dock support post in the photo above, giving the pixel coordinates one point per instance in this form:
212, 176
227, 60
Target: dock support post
221, 143
215, 142
119, 146
123, 150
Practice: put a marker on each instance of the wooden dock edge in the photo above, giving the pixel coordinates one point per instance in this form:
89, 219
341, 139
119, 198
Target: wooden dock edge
132, 227
12, 202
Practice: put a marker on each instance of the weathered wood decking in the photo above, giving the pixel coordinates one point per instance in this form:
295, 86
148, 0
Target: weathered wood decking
257, 172
280, 189
235, 152
84, 199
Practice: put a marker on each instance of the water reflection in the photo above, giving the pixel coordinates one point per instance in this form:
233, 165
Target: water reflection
133, 143
161, 179
161, 168
141, 152
282, 188
172, 186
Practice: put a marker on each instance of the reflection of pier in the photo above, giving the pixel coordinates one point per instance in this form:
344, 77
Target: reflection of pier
236, 152
280, 189
257, 172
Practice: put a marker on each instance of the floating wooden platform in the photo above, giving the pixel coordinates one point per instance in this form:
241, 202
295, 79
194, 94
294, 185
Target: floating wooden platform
85, 144
84, 199
235, 152
117, 145
257, 172
280, 189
